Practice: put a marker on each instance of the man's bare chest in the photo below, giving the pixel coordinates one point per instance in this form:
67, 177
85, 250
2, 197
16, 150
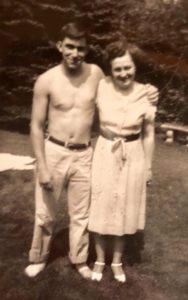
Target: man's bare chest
67, 95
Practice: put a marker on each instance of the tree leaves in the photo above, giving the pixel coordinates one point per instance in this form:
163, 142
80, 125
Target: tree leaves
29, 29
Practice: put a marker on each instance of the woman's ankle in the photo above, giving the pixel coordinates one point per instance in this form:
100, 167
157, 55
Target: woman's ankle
117, 268
99, 266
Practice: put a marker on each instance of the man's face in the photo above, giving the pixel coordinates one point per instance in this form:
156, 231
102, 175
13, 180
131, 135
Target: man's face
123, 71
74, 52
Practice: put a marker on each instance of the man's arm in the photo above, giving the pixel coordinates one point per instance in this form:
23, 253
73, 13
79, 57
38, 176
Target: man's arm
38, 118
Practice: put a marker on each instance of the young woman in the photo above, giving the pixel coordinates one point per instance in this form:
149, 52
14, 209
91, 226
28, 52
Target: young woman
122, 159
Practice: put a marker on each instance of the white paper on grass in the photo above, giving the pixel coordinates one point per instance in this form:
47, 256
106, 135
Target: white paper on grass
15, 162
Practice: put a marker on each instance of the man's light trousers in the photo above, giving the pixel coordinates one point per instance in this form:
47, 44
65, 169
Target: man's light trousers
73, 169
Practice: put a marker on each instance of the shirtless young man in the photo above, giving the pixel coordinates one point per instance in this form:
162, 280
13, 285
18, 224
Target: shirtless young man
66, 94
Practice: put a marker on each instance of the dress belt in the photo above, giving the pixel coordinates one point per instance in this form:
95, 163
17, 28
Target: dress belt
68, 145
109, 135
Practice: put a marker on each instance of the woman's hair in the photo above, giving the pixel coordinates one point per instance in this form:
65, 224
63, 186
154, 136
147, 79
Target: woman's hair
113, 50
74, 30
116, 49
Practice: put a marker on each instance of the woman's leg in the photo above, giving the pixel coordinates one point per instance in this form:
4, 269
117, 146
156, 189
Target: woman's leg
117, 259
100, 247
100, 260
118, 249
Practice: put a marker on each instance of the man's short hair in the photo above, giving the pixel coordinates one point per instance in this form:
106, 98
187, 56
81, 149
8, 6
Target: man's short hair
73, 30
116, 49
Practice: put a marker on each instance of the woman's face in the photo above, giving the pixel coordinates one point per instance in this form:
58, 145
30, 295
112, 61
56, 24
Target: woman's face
123, 71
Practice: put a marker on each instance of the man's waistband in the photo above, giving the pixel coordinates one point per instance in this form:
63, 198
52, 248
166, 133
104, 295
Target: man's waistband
109, 135
68, 145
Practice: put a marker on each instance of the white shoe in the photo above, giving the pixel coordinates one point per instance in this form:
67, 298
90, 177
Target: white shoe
118, 277
97, 276
34, 269
84, 271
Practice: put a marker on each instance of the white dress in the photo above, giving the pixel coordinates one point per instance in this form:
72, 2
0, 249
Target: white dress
118, 198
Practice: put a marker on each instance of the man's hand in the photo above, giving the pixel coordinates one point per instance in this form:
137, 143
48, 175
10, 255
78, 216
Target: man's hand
152, 93
45, 179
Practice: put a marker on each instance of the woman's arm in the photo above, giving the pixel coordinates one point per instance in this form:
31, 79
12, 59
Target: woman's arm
148, 133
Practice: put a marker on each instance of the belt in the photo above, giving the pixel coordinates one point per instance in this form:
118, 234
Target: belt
68, 145
109, 135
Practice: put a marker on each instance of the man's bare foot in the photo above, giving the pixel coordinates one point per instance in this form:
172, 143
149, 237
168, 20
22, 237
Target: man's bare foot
34, 269
84, 270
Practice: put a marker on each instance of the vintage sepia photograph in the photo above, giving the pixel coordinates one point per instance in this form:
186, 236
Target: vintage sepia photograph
93, 149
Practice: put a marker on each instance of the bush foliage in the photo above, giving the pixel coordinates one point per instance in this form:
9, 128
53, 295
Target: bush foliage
29, 30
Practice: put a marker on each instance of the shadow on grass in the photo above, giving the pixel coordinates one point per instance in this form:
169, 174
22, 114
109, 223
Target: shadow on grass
20, 125
134, 244
60, 245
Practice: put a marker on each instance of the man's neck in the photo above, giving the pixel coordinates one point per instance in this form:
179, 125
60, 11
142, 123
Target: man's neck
73, 72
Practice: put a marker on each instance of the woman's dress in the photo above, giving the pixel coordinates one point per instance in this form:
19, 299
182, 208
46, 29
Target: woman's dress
118, 198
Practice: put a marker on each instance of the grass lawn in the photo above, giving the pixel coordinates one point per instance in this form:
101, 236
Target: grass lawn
156, 259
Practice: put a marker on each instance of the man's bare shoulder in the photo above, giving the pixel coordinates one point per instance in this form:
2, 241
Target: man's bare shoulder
105, 81
95, 71
48, 75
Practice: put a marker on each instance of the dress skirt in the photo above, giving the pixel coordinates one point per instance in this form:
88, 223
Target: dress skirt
118, 198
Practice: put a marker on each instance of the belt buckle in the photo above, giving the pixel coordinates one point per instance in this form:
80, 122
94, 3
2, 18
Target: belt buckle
69, 145
66, 145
